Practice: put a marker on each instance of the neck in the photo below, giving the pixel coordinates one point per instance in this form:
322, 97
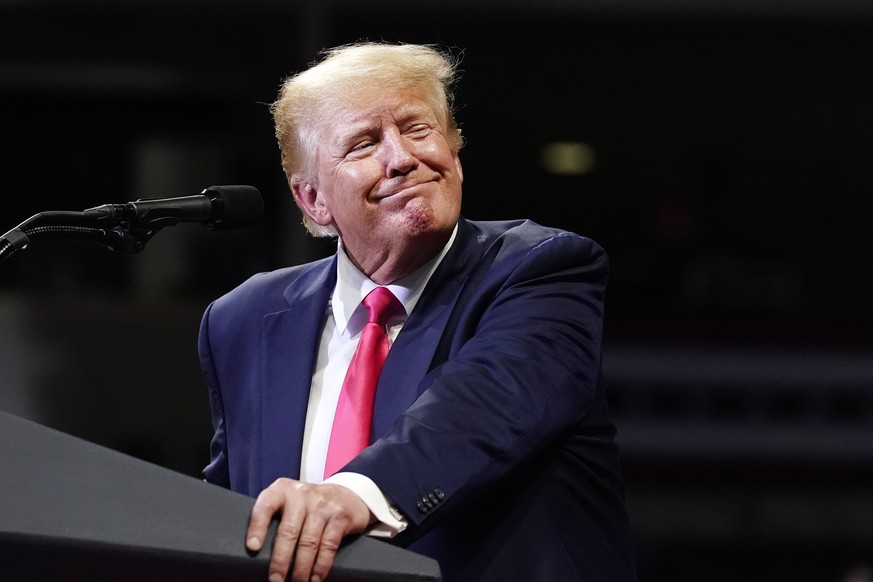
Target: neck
388, 265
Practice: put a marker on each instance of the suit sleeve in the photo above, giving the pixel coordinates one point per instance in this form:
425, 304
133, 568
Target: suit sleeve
521, 372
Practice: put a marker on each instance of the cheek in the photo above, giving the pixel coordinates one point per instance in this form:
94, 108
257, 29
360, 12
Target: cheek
356, 178
349, 190
443, 156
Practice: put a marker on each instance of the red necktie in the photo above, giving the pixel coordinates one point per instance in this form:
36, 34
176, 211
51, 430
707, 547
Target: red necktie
354, 411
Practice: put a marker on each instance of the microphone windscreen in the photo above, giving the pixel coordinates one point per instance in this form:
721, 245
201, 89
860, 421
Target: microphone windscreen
235, 206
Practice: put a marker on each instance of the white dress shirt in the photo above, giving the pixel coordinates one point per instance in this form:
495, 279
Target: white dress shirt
344, 321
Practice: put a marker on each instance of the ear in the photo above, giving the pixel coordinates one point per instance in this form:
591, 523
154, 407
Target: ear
310, 199
458, 167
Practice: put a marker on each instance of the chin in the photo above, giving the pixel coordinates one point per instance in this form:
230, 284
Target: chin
423, 219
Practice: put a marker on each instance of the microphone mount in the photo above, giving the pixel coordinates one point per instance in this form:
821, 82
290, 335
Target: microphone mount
128, 227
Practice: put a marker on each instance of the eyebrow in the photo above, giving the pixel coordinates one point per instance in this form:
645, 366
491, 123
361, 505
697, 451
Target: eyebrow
407, 111
355, 130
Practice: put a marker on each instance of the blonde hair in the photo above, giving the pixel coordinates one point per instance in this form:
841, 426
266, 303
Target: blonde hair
308, 97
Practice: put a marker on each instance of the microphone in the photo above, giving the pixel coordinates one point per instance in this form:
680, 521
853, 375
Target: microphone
217, 207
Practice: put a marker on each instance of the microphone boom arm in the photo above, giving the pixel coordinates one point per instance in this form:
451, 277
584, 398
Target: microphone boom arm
68, 225
128, 227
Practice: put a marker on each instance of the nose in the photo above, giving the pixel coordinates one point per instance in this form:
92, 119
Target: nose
398, 156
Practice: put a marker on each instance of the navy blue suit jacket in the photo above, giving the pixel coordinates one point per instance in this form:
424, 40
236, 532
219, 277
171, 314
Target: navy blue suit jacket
491, 431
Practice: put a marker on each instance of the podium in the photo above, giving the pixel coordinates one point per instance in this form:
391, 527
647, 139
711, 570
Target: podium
73, 510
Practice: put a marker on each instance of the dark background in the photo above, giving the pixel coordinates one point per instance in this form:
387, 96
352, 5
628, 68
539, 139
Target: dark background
731, 189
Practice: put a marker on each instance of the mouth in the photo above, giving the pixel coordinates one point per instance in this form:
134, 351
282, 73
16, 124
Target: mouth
407, 189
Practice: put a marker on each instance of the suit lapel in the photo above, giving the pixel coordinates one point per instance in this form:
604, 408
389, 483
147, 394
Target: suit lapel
411, 355
289, 343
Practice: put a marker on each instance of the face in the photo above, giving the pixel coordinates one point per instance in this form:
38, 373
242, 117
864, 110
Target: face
387, 179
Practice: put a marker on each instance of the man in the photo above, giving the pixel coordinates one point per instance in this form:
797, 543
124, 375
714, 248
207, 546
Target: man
491, 448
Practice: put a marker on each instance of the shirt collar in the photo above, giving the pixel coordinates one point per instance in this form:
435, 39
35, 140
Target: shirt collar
352, 285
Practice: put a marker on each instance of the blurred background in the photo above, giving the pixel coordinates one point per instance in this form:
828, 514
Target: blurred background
720, 151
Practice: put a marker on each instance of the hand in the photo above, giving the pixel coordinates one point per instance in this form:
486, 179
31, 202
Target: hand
314, 520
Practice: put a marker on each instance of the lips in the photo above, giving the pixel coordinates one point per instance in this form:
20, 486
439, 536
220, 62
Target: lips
405, 188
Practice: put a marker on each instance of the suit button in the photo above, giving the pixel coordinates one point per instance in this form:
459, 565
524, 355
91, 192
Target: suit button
431, 500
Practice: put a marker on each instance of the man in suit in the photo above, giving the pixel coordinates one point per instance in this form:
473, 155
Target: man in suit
491, 447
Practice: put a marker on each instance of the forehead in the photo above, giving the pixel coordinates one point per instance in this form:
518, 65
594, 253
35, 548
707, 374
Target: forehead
370, 110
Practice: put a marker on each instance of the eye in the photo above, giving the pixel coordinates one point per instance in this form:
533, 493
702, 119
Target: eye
418, 130
362, 145
360, 148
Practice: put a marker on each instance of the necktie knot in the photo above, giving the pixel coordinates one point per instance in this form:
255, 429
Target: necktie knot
382, 305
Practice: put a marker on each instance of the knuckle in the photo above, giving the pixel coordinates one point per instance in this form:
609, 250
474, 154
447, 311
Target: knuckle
330, 545
287, 531
308, 543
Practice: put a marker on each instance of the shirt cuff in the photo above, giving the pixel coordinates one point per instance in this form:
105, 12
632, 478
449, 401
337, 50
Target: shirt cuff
390, 521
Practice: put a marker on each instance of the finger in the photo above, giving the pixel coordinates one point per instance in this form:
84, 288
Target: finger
328, 520
285, 546
268, 503
308, 543
327, 549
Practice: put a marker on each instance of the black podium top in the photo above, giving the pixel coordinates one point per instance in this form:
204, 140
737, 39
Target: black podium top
73, 510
